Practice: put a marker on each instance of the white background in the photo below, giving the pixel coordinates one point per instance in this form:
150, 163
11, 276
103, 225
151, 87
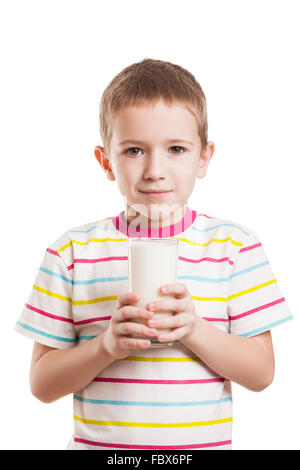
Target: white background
57, 58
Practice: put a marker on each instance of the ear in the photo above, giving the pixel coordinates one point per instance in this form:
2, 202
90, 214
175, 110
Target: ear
205, 159
104, 162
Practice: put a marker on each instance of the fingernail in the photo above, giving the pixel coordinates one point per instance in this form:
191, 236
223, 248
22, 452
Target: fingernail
164, 289
151, 306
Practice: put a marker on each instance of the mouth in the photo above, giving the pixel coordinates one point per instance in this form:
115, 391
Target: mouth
156, 193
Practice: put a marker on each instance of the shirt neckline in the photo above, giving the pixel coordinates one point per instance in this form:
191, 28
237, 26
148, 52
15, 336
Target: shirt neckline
132, 231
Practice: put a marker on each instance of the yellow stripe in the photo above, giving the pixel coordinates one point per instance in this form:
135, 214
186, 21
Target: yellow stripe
52, 294
238, 294
94, 301
75, 302
161, 359
64, 247
233, 296
152, 425
96, 240
221, 299
115, 297
218, 240
102, 240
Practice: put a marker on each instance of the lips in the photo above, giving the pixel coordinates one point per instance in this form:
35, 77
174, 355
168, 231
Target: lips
156, 194
155, 191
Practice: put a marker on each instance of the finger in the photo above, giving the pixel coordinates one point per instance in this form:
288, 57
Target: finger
127, 298
177, 288
173, 336
132, 328
170, 321
131, 312
134, 343
168, 305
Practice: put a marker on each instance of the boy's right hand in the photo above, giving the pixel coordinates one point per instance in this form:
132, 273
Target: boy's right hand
117, 338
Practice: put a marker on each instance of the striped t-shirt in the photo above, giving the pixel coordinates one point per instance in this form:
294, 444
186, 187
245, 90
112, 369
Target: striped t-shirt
163, 398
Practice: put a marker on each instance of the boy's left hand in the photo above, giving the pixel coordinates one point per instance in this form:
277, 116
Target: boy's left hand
183, 319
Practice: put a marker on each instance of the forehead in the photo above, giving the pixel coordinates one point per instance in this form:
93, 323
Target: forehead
154, 121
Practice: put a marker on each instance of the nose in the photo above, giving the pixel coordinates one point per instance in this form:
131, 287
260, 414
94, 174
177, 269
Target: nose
154, 167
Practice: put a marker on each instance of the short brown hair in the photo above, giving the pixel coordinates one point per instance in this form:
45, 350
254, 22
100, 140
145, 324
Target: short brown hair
148, 81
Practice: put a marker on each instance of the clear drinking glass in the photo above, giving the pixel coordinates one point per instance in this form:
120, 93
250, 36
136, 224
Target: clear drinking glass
152, 263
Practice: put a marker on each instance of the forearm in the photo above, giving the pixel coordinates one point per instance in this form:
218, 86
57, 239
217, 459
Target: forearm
55, 373
240, 359
62, 371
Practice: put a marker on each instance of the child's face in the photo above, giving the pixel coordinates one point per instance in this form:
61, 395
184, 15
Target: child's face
155, 148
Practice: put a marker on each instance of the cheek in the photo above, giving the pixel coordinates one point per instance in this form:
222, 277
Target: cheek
186, 178
127, 177
185, 186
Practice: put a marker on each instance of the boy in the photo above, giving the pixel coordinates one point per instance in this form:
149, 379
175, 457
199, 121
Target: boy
82, 317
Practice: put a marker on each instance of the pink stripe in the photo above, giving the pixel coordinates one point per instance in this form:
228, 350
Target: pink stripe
52, 252
132, 446
46, 314
251, 247
215, 319
110, 258
129, 229
91, 320
125, 258
162, 382
257, 309
213, 260
204, 215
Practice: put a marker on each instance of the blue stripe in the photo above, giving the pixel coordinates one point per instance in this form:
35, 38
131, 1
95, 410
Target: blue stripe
105, 228
193, 228
151, 403
42, 333
125, 278
204, 279
247, 270
217, 226
90, 281
47, 271
267, 327
225, 279
84, 231
102, 279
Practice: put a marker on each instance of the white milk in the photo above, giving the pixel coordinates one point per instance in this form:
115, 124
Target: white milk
152, 263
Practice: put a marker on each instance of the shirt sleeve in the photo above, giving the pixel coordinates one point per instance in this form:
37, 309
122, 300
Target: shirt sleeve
47, 315
255, 301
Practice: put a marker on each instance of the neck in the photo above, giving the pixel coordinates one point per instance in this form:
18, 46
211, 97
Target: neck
139, 226
159, 218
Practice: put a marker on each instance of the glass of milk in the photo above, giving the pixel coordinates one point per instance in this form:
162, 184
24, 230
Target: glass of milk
152, 263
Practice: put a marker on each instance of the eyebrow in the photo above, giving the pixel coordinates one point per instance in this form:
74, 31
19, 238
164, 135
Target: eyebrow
134, 141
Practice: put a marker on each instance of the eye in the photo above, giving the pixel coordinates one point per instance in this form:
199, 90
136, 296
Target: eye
132, 151
177, 149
